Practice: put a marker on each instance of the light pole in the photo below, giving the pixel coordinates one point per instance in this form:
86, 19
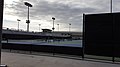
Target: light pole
111, 8
18, 23
58, 27
39, 27
69, 26
111, 5
28, 21
1, 24
53, 23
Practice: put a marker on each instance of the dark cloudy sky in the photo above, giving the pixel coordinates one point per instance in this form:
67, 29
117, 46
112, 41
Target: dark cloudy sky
65, 12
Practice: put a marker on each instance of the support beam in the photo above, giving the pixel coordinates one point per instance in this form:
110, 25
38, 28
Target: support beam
1, 22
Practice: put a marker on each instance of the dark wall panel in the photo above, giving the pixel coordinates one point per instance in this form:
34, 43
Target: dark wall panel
116, 37
98, 28
98, 34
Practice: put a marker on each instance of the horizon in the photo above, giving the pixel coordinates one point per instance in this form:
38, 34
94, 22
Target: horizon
65, 13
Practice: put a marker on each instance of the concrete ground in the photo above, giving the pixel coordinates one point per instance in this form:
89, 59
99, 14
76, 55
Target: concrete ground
26, 60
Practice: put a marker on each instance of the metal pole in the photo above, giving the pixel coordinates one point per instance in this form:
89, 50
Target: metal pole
58, 27
111, 8
69, 27
83, 41
111, 4
18, 25
39, 27
28, 12
1, 23
53, 25
28, 21
27, 27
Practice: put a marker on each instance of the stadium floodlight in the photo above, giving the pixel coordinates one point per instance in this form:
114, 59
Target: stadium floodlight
18, 23
58, 27
69, 26
39, 27
53, 23
28, 21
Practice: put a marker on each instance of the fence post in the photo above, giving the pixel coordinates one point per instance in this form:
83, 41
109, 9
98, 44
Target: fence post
83, 43
1, 22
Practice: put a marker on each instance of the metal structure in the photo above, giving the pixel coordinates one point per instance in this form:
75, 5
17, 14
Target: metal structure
69, 27
53, 23
58, 27
39, 27
28, 21
18, 23
111, 3
1, 23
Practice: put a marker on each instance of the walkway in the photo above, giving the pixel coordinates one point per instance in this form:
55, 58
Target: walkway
25, 60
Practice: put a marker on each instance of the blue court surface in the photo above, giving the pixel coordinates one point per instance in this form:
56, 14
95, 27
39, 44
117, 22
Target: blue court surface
73, 43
